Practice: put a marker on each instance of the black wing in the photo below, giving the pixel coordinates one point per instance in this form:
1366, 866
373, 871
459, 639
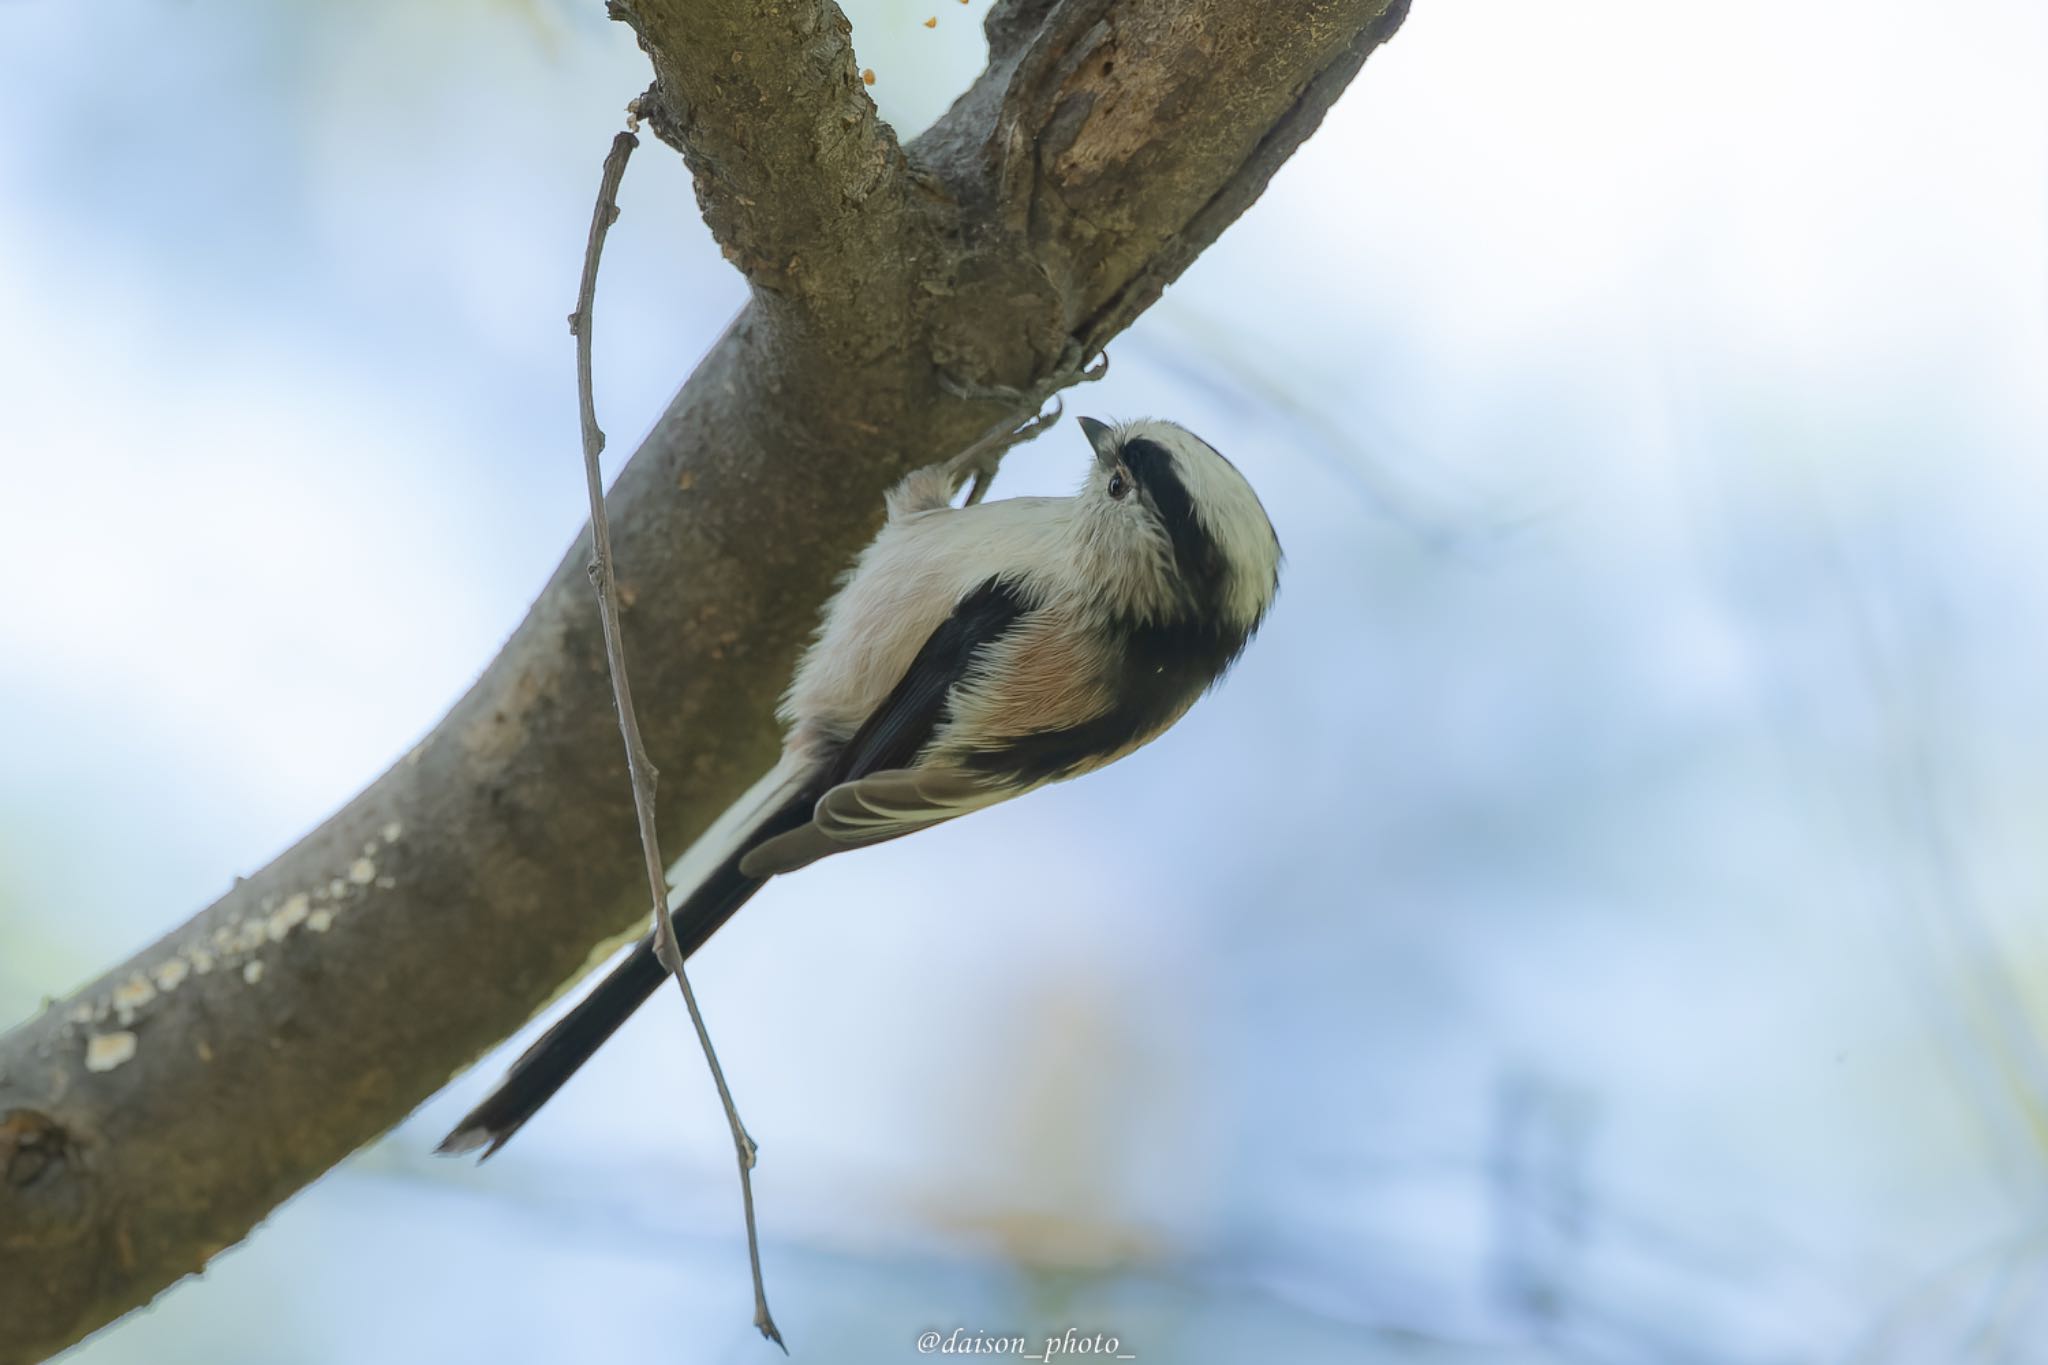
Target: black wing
908, 717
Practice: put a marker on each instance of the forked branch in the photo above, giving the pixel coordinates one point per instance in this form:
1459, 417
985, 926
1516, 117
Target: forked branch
152, 1117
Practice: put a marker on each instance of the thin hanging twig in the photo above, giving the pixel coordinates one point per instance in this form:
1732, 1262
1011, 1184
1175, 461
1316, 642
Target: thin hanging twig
642, 771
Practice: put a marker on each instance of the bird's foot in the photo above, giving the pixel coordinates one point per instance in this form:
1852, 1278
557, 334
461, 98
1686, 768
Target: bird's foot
981, 460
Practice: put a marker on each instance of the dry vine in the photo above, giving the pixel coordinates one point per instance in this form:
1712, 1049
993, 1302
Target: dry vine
640, 769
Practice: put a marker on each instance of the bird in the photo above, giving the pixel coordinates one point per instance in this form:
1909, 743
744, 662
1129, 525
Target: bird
972, 653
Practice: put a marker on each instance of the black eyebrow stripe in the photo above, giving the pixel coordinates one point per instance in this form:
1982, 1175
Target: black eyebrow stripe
1197, 557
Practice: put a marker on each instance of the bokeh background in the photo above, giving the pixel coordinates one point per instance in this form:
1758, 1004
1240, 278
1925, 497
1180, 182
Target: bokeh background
1601, 920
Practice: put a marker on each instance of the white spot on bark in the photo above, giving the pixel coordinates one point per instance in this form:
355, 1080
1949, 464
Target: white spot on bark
320, 921
171, 975
391, 831
201, 960
289, 916
337, 887
80, 1014
362, 872
252, 971
105, 1051
130, 996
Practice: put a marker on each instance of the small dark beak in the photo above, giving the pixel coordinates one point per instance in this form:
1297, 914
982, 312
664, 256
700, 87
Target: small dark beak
1102, 438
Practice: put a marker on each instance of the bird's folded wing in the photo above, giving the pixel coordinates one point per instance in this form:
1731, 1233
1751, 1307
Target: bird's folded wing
872, 810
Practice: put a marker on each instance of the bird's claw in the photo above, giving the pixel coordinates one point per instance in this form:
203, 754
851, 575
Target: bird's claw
1088, 374
982, 459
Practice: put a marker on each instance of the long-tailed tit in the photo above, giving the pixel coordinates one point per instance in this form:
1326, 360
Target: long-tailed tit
971, 655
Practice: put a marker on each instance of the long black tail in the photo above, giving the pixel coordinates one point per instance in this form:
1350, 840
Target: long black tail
546, 1066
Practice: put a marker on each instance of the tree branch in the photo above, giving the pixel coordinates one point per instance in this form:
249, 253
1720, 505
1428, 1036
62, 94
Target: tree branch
152, 1118
799, 179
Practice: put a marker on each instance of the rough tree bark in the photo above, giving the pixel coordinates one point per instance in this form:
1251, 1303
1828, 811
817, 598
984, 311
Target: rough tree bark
151, 1119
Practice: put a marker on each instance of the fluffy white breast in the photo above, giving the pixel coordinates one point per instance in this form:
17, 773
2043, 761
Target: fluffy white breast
900, 590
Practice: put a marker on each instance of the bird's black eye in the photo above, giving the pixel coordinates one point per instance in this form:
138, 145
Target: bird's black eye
1118, 484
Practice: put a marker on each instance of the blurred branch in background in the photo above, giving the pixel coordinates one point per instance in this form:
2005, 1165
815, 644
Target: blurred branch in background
1396, 476
148, 1121
1966, 970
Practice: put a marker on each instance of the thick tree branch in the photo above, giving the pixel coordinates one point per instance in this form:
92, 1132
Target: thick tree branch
798, 177
151, 1119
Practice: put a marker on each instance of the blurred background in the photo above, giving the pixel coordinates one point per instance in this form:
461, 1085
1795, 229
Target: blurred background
1600, 920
